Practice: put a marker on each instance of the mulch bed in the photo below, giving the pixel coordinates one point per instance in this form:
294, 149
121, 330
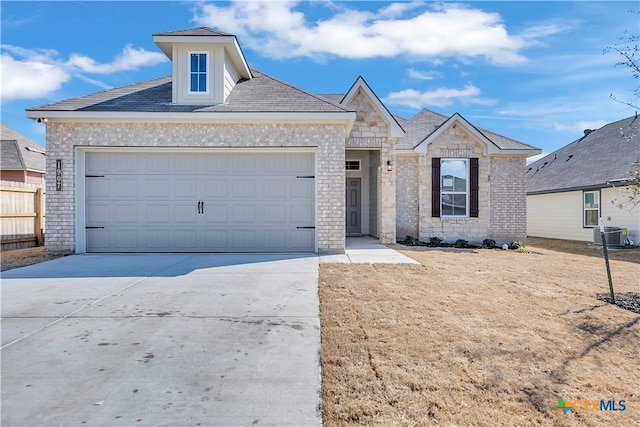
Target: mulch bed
627, 300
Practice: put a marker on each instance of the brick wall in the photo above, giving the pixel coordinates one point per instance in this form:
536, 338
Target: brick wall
509, 207
455, 143
407, 173
328, 140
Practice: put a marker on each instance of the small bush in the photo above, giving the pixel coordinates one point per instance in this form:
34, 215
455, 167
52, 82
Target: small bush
461, 243
410, 241
435, 241
488, 244
522, 250
515, 244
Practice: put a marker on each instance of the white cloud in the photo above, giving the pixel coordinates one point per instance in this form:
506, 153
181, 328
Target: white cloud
129, 59
423, 75
424, 30
441, 97
580, 126
29, 79
37, 73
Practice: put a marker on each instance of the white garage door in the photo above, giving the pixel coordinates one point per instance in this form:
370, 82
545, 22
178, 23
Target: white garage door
199, 202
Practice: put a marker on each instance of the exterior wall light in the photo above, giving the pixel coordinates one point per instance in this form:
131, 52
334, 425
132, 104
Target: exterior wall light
389, 166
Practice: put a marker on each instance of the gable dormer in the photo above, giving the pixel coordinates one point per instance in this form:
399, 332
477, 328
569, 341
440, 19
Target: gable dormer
207, 64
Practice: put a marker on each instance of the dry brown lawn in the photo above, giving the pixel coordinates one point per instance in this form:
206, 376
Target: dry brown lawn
479, 338
22, 257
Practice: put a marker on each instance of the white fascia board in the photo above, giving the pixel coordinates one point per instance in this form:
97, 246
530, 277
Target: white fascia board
239, 61
395, 131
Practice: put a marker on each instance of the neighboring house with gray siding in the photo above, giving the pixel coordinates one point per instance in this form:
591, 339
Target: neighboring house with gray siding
21, 159
220, 157
574, 189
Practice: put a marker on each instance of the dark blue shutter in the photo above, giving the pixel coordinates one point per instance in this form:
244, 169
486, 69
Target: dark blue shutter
435, 187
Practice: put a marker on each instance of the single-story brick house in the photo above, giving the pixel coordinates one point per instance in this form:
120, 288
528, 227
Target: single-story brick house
221, 157
21, 159
586, 183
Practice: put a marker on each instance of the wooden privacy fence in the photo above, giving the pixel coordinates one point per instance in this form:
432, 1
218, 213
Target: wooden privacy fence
22, 213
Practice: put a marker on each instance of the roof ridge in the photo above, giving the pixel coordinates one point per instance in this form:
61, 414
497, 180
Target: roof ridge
39, 107
318, 97
202, 27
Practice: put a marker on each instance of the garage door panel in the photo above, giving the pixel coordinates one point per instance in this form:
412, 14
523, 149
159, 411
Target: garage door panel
127, 213
185, 213
185, 188
158, 188
159, 239
275, 188
275, 214
126, 239
243, 163
216, 214
274, 164
243, 239
243, 214
243, 188
126, 187
148, 202
216, 188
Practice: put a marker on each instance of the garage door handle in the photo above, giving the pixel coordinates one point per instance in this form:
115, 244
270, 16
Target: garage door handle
306, 227
199, 206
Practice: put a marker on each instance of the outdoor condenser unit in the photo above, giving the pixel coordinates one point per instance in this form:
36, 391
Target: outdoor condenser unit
615, 236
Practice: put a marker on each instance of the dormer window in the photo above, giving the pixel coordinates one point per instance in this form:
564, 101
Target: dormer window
198, 72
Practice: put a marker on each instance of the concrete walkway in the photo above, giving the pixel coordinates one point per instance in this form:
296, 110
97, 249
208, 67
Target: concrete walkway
162, 340
367, 250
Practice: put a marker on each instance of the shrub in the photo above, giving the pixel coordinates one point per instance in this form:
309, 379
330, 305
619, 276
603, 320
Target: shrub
515, 244
461, 243
435, 241
488, 244
522, 250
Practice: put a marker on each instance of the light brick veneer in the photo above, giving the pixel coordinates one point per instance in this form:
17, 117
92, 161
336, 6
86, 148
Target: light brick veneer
327, 139
407, 171
501, 194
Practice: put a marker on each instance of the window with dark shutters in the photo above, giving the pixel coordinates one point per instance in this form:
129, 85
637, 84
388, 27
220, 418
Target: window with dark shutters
435, 187
473, 187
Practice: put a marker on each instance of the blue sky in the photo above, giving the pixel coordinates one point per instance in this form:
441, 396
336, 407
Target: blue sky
532, 71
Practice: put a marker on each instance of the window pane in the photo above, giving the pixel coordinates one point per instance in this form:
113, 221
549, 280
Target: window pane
202, 87
194, 82
203, 62
194, 62
460, 204
591, 218
447, 204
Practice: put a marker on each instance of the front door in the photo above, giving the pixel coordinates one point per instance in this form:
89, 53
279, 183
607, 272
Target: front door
353, 198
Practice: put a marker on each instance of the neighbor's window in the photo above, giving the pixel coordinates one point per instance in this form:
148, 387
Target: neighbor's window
198, 72
454, 189
352, 165
591, 201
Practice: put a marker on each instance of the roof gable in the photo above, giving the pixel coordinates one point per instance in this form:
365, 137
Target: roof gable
395, 130
602, 156
493, 143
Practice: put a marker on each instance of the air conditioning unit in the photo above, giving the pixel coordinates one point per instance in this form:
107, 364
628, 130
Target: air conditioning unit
615, 236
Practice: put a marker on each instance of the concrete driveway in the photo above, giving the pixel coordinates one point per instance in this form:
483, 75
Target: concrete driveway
162, 340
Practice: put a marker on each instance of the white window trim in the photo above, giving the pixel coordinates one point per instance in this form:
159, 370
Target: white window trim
584, 209
207, 73
467, 191
353, 160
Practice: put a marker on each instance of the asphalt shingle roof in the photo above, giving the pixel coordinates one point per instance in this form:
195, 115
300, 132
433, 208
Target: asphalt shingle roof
200, 31
262, 93
20, 152
605, 154
425, 122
